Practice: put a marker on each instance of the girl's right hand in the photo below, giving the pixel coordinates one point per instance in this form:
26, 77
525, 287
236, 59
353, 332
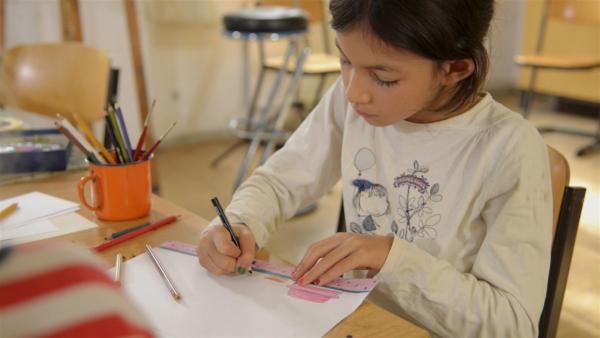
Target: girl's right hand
218, 254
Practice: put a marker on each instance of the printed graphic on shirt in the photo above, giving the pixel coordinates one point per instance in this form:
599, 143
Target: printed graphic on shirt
370, 199
415, 215
363, 160
371, 202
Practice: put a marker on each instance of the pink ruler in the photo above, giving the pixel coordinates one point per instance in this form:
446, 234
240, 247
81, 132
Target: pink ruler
343, 284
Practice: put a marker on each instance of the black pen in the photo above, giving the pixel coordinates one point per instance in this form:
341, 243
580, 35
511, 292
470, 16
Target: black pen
226, 224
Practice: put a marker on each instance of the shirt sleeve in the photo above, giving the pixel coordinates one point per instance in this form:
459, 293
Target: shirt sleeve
298, 174
503, 294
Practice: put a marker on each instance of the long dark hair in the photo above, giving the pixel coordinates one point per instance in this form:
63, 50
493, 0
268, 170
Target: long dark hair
440, 30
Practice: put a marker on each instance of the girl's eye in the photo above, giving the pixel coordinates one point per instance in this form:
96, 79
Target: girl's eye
384, 83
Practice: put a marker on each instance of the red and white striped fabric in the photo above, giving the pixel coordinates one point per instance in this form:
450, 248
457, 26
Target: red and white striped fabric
62, 290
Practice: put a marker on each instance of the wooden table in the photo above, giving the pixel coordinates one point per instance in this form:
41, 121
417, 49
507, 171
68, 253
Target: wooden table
367, 321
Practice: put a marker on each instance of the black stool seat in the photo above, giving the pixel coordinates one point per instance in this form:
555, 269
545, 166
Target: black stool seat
267, 20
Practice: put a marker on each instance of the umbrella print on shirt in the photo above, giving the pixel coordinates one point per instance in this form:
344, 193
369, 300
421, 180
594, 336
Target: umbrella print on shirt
416, 217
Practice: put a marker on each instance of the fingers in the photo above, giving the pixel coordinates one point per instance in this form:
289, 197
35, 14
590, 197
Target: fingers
224, 244
336, 261
216, 252
248, 248
315, 252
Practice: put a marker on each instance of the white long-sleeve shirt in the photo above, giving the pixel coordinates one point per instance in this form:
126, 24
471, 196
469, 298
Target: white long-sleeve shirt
468, 200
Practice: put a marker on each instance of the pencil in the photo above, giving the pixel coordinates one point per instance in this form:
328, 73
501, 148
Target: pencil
128, 230
8, 210
117, 132
93, 140
138, 148
163, 273
155, 145
226, 224
76, 143
133, 234
125, 133
73, 131
118, 268
113, 139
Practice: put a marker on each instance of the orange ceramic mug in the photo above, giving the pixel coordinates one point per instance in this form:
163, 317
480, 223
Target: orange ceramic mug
119, 192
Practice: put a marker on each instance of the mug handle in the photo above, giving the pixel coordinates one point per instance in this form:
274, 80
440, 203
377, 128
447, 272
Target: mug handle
80, 191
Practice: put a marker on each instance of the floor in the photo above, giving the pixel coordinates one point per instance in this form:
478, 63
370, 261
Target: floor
188, 179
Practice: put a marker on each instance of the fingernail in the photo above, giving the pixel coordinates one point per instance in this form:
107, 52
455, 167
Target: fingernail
316, 281
241, 270
301, 281
294, 273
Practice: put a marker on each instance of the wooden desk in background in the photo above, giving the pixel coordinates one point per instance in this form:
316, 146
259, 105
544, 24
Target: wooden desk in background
367, 321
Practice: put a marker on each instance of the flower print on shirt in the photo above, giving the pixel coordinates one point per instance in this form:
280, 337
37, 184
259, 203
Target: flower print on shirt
416, 217
371, 202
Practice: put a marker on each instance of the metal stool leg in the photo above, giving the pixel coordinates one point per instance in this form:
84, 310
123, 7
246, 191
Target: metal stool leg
261, 125
284, 103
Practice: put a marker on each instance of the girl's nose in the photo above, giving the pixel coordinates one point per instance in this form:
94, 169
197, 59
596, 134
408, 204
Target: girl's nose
356, 90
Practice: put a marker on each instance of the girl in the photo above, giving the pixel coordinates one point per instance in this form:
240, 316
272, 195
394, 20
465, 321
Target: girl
464, 251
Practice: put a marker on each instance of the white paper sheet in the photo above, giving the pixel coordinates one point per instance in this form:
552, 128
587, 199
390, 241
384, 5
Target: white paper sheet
62, 225
30, 229
32, 207
227, 306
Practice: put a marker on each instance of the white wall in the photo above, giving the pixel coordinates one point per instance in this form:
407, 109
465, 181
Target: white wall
192, 70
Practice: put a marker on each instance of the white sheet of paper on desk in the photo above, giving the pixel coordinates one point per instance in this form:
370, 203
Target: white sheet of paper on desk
30, 229
34, 206
228, 306
61, 225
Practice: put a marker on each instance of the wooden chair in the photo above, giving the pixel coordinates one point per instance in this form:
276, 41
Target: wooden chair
56, 78
567, 204
574, 12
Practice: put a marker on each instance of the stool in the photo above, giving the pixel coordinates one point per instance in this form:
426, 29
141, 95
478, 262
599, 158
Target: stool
267, 24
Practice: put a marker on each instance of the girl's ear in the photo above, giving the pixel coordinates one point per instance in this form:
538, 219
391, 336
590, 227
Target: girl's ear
456, 70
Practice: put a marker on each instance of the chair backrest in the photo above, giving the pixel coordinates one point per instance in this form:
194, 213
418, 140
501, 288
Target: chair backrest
567, 205
585, 12
560, 173
58, 78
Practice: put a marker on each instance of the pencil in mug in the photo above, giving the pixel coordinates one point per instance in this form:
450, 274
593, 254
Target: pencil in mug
124, 132
140, 144
81, 140
155, 145
113, 139
121, 239
118, 135
93, 140
76, 143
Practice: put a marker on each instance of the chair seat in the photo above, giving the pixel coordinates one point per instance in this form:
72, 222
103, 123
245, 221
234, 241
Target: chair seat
267, 20
557, 62
316, 63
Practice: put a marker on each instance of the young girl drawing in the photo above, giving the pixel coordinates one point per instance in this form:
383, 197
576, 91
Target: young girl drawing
463, 249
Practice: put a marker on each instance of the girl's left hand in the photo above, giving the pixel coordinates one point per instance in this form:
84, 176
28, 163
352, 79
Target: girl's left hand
326, 260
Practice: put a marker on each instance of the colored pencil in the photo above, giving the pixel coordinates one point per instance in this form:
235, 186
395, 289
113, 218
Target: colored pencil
113, 139
133, 234
8, 210
118, 135
125, 133
76, 142
140, 144
118, 267
163, 273
93, 140
128, 230
77, 135
155, 145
